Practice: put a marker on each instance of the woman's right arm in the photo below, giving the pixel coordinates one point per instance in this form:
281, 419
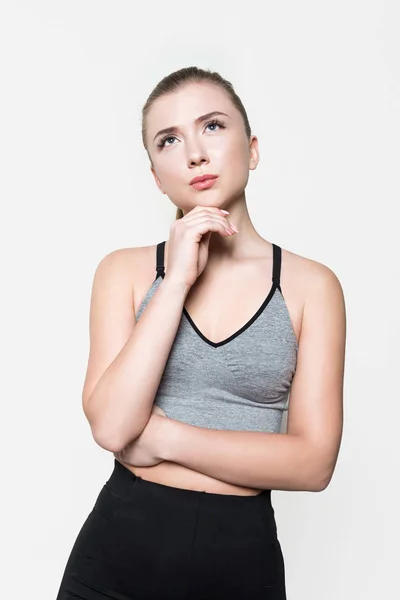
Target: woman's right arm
126, 359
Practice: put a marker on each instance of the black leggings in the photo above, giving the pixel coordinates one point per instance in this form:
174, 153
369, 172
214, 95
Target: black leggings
145, 540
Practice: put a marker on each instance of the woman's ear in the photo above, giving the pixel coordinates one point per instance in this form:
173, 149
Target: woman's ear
254, 155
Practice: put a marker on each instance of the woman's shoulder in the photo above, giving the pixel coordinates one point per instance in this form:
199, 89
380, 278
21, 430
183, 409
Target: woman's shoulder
134, 259
312, 291
126, 272
131, 270
307, 281
309, 270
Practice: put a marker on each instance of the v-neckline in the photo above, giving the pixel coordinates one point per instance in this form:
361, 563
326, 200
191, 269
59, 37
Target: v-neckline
239, 331
276, 269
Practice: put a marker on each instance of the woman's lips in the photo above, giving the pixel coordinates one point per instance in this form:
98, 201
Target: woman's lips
202, 185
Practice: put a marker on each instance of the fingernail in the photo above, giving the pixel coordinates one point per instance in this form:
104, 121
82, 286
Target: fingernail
224, 211
234, 228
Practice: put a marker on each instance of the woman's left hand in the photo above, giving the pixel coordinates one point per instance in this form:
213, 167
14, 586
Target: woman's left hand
144, 451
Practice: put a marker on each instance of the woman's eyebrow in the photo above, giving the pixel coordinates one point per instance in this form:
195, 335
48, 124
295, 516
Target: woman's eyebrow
200, 119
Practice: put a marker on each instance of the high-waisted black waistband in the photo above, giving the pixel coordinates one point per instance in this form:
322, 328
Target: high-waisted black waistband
121, 480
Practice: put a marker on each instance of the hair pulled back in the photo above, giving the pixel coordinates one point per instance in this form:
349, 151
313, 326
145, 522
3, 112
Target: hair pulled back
170, 83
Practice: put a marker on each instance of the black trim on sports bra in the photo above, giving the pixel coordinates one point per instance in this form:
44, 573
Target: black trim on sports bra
276, 265
160, 260
276, 272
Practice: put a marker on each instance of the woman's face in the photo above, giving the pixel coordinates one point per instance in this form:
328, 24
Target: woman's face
199, 147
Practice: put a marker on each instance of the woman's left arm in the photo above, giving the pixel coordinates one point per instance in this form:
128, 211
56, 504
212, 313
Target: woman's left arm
304, 458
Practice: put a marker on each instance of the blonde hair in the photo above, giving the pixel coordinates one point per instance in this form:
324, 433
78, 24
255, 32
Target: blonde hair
173, 81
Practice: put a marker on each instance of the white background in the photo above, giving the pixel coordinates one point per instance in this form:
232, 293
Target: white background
321, 85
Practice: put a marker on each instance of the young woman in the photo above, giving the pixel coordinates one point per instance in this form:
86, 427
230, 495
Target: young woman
195, 345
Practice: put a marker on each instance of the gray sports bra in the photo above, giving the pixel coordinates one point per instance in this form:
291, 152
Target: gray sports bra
240, 383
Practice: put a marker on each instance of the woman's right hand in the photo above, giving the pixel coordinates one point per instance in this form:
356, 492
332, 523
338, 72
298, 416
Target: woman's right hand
189, 240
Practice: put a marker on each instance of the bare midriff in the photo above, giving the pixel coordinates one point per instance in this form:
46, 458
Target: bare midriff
178, 476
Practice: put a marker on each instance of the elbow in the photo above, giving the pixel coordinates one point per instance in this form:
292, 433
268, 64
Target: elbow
113, 442
102, 435
320, 481
319, 466
105, 436
109, 433
107, 442
318, 486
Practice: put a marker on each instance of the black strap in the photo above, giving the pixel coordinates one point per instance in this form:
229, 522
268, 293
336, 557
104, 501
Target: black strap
160, 260
276, 268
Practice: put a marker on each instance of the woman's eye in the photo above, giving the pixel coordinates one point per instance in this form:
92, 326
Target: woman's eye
218, 123
172, 137
166, 140
209, 125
